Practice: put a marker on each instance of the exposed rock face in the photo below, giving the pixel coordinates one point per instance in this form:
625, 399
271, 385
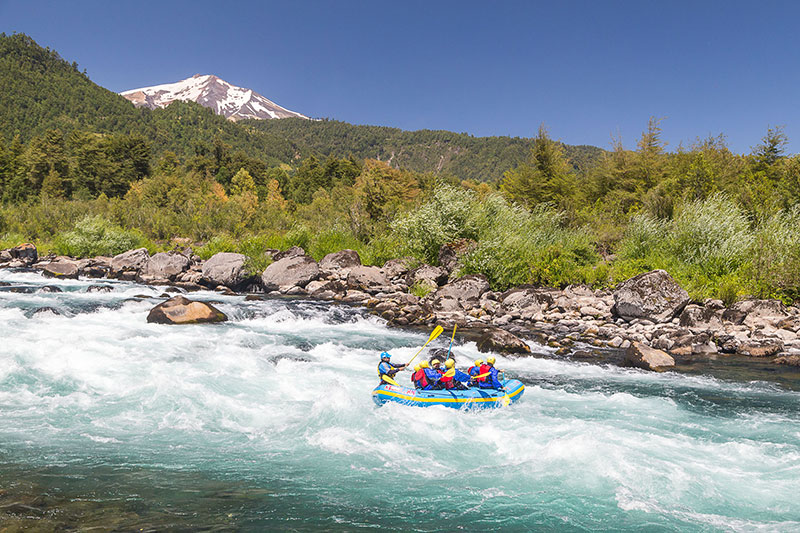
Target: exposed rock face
99, 288
394, 268
525, 302
459, 296
344, 260
226, 269
760, 348
642, 356
756, 313
501, 341
366, 278
25, 253
95, 267
294, 251
48, 288
61, 269
130, 261
653, 295
701, 317
290, 272
181, 310
789, 360
427, 276
163, 266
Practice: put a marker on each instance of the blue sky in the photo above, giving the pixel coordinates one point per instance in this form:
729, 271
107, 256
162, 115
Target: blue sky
589, 70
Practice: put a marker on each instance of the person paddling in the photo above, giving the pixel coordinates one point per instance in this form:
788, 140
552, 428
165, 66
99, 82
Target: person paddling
492, 381
417, 376
453, 378
434, 374
387, 368
475, 370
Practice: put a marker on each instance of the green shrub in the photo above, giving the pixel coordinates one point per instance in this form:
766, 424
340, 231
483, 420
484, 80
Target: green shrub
420, 289
95, 236
219, 243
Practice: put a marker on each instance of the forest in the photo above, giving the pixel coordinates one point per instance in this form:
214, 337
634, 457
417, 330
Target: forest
83, 172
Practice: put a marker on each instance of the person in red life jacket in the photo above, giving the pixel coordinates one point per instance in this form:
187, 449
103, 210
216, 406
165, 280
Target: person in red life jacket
422, 376
457, 379
475, 370
415, 376
492, 381
434, 374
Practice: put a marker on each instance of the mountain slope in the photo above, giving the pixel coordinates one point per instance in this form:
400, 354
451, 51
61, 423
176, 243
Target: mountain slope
230, 101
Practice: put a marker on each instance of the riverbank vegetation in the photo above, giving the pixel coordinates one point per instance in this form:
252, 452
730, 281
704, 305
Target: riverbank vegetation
84, 180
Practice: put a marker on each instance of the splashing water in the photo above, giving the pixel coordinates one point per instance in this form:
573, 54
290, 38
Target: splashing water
266, 421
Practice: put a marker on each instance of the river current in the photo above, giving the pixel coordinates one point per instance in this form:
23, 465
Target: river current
267, 422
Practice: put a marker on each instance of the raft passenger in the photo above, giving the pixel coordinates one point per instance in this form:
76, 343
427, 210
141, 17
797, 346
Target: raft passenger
457, 380
492, 381
434, 374
416, 376
475, 370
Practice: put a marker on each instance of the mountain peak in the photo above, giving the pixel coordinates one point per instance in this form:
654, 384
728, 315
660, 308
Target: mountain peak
208, 90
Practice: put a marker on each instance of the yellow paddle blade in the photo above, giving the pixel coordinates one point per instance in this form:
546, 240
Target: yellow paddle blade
454, 334
389, 380
481, 375
435, 333
450, 373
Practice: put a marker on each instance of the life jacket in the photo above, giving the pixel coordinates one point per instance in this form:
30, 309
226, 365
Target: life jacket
419, 379
473, 371
483, 370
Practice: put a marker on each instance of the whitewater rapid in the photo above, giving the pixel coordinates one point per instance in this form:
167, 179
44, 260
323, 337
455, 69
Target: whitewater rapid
266, 421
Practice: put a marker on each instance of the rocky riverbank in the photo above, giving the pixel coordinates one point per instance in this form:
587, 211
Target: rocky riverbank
649, 316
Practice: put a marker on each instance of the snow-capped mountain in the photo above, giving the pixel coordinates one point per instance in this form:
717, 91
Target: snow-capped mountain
233, 102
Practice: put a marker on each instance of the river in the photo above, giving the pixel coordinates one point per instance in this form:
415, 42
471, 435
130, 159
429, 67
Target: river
267, 422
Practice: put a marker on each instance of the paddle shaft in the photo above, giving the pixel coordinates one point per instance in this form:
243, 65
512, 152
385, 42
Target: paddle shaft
436, 332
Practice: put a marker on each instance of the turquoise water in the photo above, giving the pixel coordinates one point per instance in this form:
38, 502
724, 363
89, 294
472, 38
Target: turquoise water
267, 422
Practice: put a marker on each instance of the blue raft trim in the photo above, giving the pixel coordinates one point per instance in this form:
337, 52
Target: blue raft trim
458, 399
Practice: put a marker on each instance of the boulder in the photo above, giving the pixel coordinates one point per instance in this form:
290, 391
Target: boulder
461, 295
653, 295
525, 302
789, 360
294, 251
163, 266
226, 269
344, 260
701, 317
130, 261
61, 269
99, 288
48, 288
501, 341
25, 253
756, 313
366, 278
760, 348
181, 310
451, 253
288, 272
642, 356
45, 311
427, 276
95, 267
395, 268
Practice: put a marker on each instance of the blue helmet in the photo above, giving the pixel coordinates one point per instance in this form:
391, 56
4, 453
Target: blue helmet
386, 355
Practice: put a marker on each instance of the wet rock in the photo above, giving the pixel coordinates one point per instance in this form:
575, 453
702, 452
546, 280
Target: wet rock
294, 251
652, 295
760, 348
319, 287
297, 270
366, 278
585, 355
61, 269
501, 341
355, 297
337, 261
163, 266
49, 288
99, 288
642, 356
788, 360
46, 311
130, 261
181, 310
227, 269
95, 267
24, 253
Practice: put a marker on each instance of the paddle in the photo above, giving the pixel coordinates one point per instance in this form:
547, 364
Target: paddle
435, 333
389, 380
450, 373
451, 341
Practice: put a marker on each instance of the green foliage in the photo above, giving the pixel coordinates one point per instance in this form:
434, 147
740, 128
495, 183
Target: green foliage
95, 236
420, 289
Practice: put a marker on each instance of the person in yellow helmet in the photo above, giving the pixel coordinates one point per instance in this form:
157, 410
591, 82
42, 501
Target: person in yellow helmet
434, 374
417, 375
456, 379
492, 381
473, 371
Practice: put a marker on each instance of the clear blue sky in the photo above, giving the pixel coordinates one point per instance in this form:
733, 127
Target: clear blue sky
587, 69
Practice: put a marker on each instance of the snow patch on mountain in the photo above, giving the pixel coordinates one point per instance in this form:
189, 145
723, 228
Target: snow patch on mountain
234, 103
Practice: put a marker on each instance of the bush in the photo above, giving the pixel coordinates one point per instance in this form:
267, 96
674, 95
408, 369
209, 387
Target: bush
95, 236
220, 243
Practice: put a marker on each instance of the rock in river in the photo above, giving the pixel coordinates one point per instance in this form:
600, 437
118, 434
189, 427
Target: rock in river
181, 310
653, 295
289, 272
501, 341
643, 356
227, 269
